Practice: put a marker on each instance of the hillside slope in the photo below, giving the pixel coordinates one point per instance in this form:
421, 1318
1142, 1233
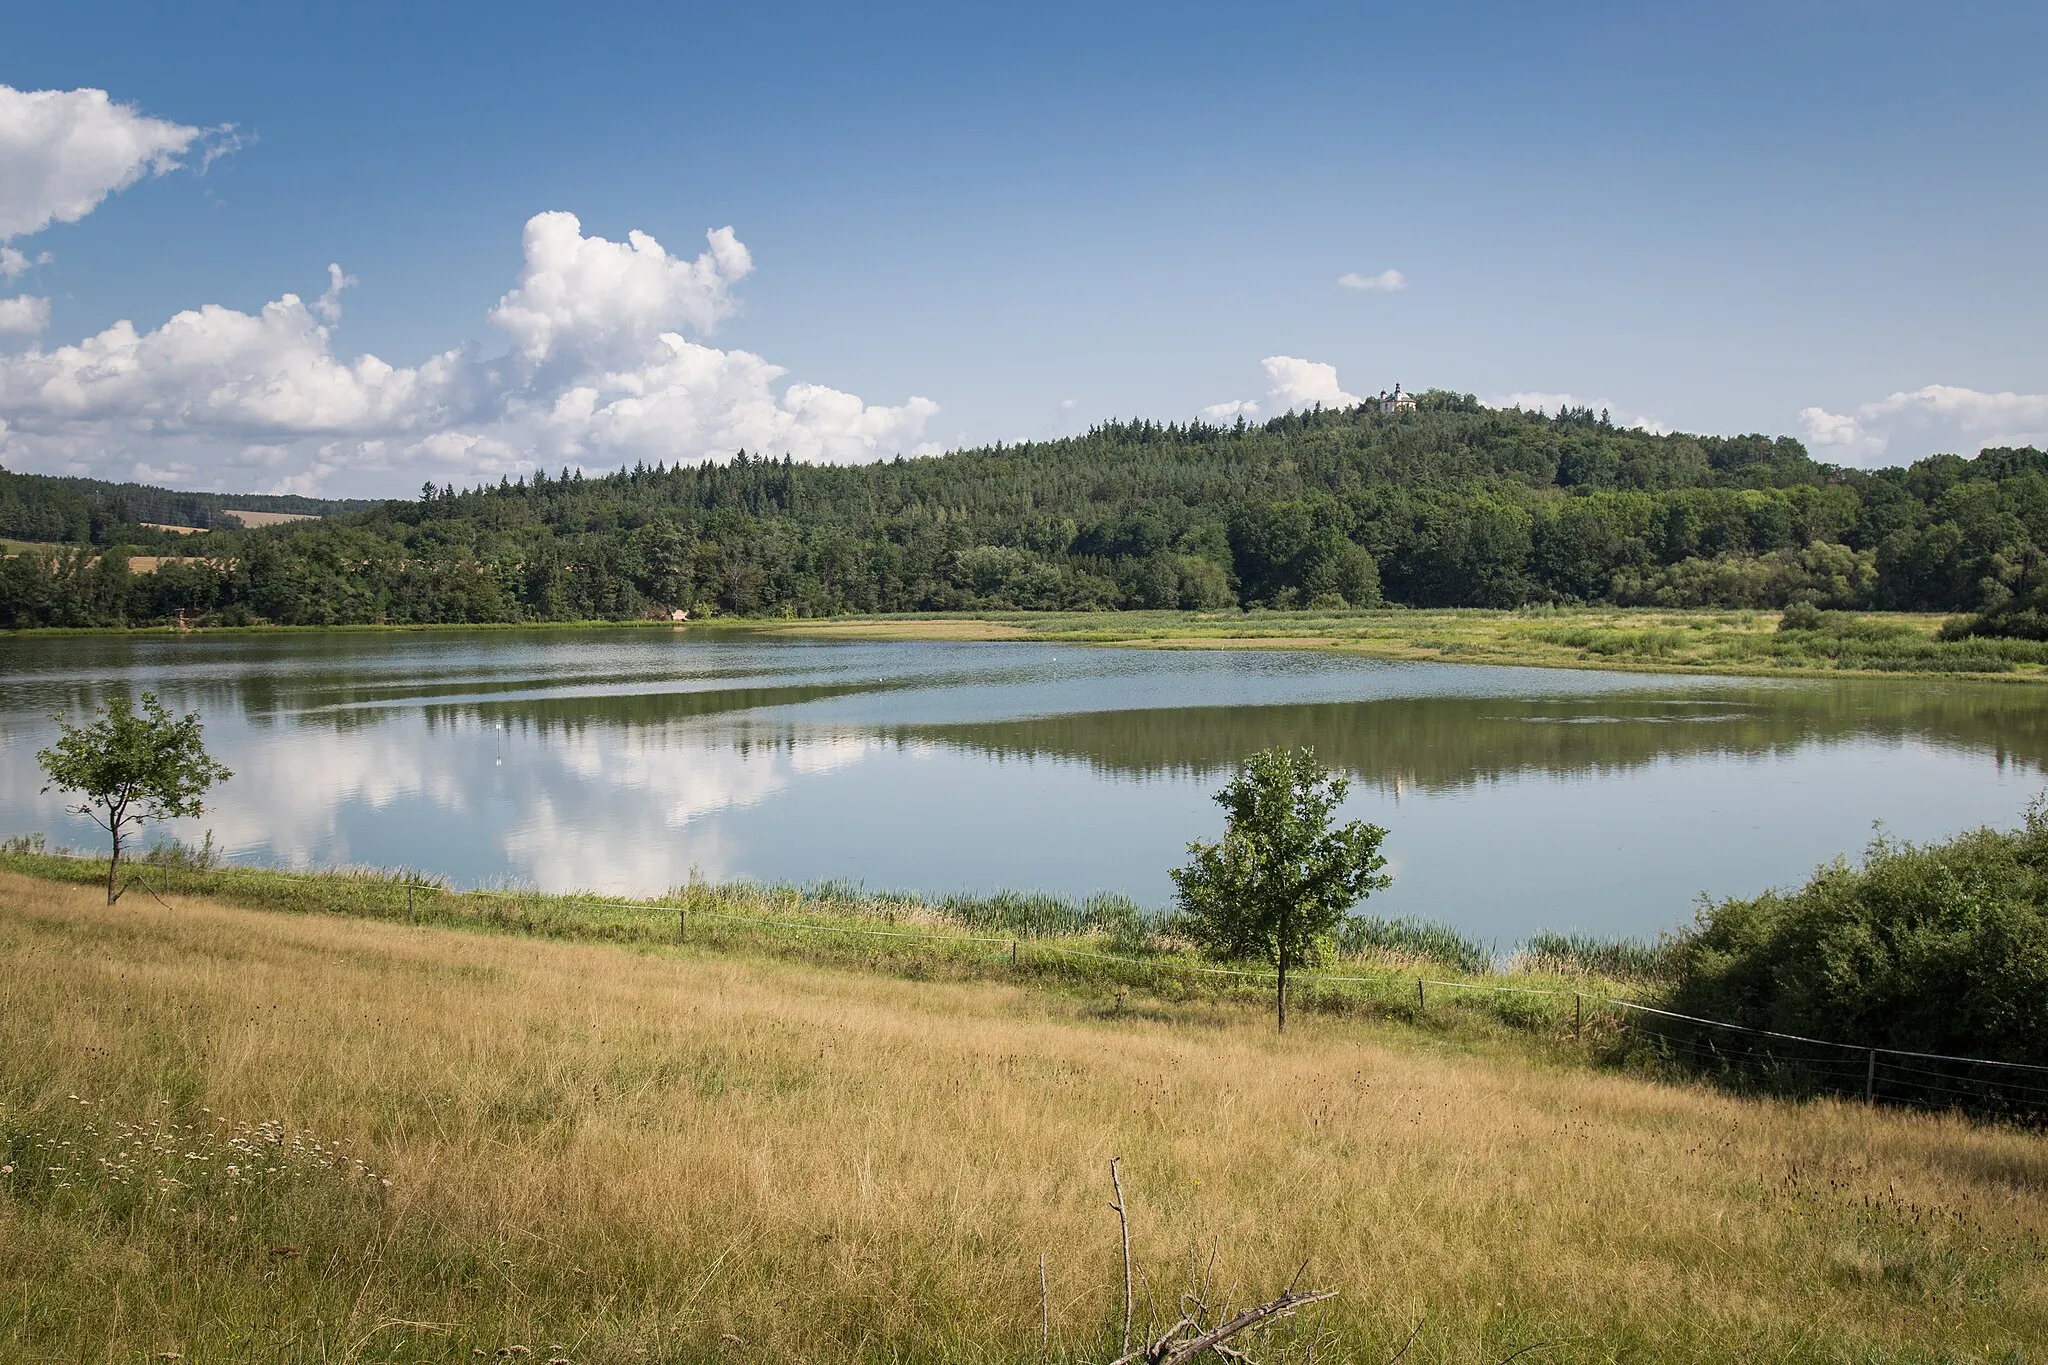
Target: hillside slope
41, 507
1453, 504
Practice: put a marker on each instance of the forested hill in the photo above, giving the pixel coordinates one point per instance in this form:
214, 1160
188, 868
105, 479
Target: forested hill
38, 507
1452, 503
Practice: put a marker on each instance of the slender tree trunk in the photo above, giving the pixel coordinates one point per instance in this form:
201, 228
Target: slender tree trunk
1280, 994
113, 863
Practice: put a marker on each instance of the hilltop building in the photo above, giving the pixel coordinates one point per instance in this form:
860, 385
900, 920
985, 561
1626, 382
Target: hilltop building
1397, 401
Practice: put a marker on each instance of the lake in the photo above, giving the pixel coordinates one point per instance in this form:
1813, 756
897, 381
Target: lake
1516, 799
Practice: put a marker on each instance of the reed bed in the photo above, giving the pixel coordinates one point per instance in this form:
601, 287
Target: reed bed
603, 1155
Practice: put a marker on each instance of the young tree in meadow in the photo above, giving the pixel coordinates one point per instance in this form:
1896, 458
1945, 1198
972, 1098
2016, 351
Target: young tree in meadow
128, 767
1282, 877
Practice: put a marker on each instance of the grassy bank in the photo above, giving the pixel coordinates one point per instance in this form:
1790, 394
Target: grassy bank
1104, 950
1723, 642
598, 1155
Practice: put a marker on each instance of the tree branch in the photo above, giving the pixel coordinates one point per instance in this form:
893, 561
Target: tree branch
1166, 1351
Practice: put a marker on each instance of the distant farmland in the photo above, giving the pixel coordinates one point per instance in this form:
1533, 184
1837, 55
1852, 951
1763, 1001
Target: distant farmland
253, 519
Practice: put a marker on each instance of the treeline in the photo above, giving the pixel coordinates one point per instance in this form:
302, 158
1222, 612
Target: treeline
93, 512
1453, 504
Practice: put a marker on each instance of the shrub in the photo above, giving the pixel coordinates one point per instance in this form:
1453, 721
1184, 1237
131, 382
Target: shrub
2020, 618
1934, 948
1822, 573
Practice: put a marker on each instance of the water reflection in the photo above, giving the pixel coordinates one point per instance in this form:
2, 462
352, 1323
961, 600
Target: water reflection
1437, 743
624, 759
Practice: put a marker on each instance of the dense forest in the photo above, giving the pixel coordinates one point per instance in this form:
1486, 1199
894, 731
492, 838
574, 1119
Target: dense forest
89, 511
1449, 504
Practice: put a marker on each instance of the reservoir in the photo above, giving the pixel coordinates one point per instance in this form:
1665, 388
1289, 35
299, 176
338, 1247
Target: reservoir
622, 760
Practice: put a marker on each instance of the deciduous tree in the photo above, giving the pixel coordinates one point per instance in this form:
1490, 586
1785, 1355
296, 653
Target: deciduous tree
128, 767
1282, 877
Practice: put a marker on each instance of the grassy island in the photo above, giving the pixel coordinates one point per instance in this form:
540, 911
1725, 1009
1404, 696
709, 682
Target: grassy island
1662, 641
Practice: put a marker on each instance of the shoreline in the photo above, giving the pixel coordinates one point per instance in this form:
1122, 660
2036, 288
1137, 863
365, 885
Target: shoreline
1696, 642
1054, 946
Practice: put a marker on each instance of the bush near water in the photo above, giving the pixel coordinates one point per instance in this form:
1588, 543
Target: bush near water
1937, 947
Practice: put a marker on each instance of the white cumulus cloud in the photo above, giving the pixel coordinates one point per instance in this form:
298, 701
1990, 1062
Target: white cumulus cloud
217, 370
598, 375
1291, 384
63, 151
328, 306
24, 313
1297, 383
14, 264
1386, 282
1909, 425
584, 298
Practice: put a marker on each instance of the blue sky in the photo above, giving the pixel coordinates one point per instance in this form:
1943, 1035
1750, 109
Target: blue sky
1821, 220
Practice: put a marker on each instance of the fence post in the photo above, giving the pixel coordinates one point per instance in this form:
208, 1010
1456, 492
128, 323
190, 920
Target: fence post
1013, 953
410, 913
1420, 1003
1575, 1016
682, 921
1870, 1080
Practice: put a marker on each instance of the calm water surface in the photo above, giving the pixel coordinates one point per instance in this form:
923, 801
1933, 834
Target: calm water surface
1517, 799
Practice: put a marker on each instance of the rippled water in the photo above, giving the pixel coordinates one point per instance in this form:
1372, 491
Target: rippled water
1517, 799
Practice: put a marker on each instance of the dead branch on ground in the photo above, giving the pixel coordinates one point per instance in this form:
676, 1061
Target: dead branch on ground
1203, 1327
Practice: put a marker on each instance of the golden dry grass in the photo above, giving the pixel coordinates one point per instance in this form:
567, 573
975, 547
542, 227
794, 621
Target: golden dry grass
599, 1155
249, 518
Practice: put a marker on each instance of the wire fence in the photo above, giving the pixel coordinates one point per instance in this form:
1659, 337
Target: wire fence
1740, 1056
1768, 1060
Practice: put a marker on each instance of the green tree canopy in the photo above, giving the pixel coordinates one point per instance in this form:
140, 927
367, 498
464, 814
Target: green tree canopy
1936, 948
127, 767
1451, 504
1281, 878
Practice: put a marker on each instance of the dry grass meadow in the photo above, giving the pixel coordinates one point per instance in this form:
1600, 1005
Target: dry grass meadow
595, 1154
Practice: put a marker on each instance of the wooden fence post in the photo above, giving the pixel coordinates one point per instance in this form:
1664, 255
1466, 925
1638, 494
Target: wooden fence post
410, 913
1013, 953
1575, 1016
1420, 1003
1870, 1080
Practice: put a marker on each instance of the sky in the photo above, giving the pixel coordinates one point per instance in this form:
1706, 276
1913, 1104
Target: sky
347, 250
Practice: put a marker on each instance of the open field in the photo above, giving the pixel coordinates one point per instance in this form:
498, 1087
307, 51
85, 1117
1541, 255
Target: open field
1638, 640
599, 1154
22, 547
249, 518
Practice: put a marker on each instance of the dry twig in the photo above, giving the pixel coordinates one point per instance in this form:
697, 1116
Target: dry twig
1044, 1313
1188, 1338
1174, 1348
1123, 1219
